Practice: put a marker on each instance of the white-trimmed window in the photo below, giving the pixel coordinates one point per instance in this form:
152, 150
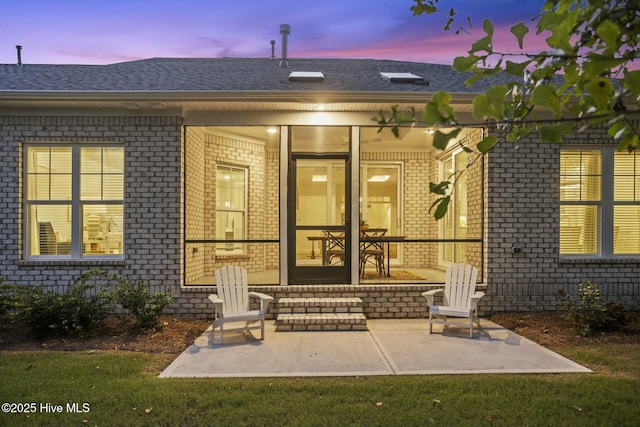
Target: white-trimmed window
74, 200
231, 208
599, 202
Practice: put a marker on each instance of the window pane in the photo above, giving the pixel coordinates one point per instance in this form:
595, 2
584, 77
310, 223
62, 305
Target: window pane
91, 160
578, 229
38, 160
38, 187
50, 230
230, 189
626, 230
102, 170
580, 175
61, 161
113, 160
626, 177
229, 226
102, 229
113, 187
90, 188
320, 139
60, 187
49, 173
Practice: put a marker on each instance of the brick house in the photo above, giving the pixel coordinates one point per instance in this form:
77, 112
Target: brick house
165, 169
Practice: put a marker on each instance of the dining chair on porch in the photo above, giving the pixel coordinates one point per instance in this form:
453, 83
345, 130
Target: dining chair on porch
372, 252
335, 248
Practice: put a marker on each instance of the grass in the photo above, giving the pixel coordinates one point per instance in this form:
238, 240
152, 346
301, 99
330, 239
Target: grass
123, 389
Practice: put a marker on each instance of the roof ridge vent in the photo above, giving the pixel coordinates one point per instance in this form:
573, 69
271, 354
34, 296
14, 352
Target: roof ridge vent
395, 77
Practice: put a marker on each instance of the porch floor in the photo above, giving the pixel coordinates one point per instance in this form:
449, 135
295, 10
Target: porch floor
389, 347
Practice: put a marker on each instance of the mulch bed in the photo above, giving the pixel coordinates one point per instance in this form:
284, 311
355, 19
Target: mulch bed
550, 329
546, 328
116, 334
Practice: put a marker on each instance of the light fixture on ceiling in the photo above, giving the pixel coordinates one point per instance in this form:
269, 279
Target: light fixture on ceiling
379, 178
319, 178
272, 131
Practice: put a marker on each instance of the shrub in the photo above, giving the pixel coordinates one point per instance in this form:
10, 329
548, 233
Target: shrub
85, 304
591, 313
11, 303
137, 298
80, 307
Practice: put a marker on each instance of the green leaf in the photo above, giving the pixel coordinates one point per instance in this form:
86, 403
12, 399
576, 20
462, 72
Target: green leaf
545, 95
609, 32
561, 25
601, 92
485, 43
618, 130
441, 204
629, 142
438, 110
462, 64
440, 188
631, 82
520, 30
555, 132
486, 144
441, 139
491, 103
516, 69
419, 8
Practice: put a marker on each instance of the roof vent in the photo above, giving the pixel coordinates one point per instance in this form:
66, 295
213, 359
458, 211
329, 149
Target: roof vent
19, 51
403, 78
285, 29
273, 49
306, 76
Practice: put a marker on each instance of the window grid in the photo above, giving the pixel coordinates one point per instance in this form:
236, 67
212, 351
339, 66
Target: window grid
231, 208
58, 218
599, 202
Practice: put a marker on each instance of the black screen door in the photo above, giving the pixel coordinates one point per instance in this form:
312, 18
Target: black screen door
319, 210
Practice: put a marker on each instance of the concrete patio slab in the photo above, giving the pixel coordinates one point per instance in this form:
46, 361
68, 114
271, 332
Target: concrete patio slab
389, 347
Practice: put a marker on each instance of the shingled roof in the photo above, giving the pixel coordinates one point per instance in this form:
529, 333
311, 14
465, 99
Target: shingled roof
230, 75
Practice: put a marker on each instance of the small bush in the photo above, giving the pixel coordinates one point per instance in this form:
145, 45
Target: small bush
137, 299
591, 313
11, 303
80, 307
85, 304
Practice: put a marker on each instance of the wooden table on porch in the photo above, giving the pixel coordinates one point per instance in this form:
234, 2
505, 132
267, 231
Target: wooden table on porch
368, 237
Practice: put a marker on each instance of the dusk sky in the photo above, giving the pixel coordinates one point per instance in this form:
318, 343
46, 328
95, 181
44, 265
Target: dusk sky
104, 32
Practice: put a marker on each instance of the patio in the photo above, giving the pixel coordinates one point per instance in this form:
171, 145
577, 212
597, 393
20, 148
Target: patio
389, 347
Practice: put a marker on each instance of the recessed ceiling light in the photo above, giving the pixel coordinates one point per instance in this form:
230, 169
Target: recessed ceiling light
379, 178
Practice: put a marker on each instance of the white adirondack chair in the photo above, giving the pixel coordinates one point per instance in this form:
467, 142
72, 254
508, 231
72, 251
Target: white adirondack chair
231, 303
460, 298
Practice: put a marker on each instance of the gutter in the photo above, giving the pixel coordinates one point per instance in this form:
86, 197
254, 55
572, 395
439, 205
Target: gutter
226, 96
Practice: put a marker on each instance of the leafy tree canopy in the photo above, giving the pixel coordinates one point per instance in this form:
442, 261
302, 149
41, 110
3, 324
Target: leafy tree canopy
588, 76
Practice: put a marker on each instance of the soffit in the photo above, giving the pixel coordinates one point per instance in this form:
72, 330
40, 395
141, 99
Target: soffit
231, 101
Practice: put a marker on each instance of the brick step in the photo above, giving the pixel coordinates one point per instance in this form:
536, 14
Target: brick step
321, 322
319, 305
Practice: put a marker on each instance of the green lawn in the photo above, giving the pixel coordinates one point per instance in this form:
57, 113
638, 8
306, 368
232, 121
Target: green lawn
123, 390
